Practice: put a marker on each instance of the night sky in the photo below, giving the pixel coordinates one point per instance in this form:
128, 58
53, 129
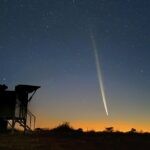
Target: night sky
47, 43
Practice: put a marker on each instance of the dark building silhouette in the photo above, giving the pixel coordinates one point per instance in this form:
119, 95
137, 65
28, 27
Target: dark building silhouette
14, 107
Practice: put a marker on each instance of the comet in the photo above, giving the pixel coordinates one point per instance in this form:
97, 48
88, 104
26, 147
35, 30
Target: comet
99, 72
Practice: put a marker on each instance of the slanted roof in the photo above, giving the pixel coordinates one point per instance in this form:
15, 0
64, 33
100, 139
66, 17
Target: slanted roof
26, 88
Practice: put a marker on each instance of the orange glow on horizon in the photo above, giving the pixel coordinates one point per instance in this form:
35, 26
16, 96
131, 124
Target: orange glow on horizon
94, 125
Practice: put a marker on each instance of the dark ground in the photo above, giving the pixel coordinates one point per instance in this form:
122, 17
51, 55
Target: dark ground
76, 141
65, 137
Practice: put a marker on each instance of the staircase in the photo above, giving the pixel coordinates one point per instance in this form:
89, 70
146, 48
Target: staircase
27, 123
32, 120
22, 124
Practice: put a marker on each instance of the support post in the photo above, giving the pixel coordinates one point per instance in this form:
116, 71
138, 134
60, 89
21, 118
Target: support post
13, 126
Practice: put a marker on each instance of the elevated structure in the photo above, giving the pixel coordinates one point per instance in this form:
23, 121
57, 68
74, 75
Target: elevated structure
14, 107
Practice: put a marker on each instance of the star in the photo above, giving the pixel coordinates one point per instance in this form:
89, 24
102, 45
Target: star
141, 70
4, 79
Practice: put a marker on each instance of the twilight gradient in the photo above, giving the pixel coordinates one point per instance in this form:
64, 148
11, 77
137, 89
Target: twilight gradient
47, 43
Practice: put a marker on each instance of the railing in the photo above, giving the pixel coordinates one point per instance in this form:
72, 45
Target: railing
28, 122
31, 118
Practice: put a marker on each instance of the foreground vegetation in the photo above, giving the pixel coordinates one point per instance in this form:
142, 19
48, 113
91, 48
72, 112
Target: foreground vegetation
64, 137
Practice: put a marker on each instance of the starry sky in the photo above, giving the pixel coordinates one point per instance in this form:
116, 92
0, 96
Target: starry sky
47, 43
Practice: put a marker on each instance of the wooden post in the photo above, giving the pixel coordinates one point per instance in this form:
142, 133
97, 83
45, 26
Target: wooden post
13, 125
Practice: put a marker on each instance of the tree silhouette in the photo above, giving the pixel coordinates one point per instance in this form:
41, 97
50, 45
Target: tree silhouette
133, 130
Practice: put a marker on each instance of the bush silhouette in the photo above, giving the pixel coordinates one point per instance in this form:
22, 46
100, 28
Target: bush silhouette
64, 127
109, 129
66, 130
